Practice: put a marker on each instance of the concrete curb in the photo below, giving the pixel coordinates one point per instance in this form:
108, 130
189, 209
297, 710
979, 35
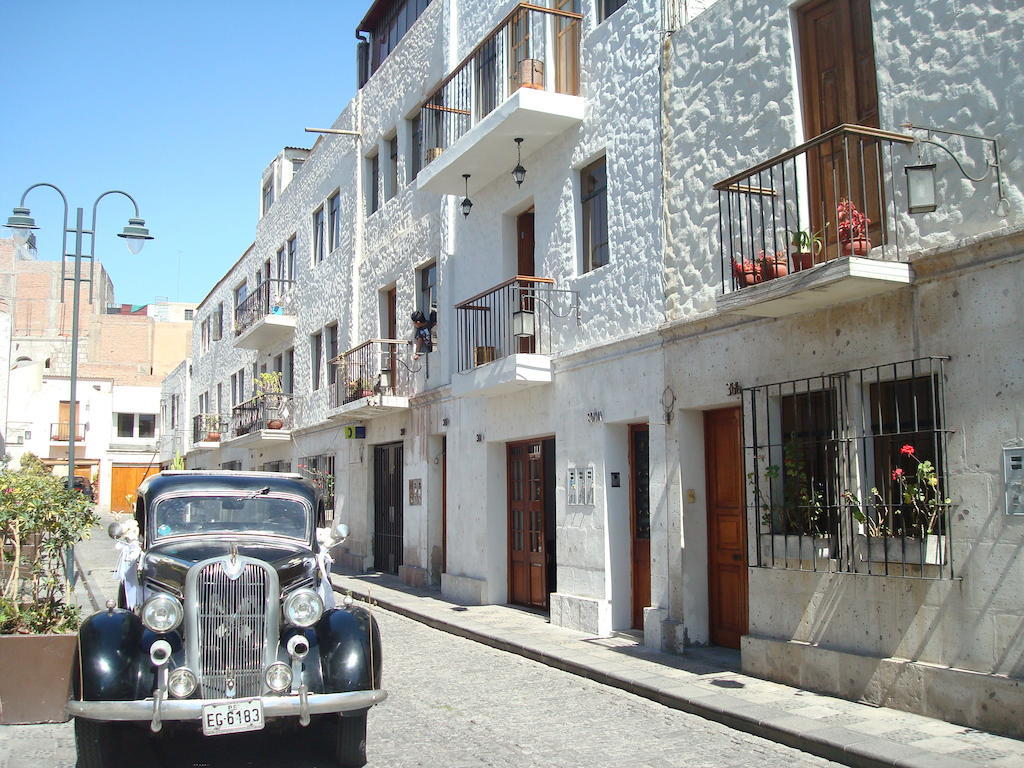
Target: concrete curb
852, 748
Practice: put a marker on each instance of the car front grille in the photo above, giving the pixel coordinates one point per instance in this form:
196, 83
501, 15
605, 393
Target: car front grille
231, 627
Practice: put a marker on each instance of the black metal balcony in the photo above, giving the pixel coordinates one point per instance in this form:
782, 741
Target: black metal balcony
209, 427
270, 298
517, 316
271, 411
375, 367
804, 208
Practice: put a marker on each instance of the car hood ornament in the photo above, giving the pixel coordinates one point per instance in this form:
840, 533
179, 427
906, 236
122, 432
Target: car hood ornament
233, 567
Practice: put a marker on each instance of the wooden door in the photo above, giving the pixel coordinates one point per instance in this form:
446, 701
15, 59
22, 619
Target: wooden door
124, 482
64, 426
640, 519
525, 247
727, 532
567, 49
839, 86
388, 520
526, 534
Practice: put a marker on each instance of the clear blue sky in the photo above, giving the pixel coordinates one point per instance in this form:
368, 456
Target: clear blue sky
181, 104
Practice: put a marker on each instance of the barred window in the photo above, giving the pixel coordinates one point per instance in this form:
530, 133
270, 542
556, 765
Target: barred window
847, 471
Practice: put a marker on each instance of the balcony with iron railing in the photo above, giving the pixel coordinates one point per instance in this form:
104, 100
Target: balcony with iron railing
266, 317
815, 226
521, 81
373, 379
505, 336
266, 418
208, 429
60, 432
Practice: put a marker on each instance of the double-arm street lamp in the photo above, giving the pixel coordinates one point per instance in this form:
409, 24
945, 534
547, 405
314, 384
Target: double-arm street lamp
135, 235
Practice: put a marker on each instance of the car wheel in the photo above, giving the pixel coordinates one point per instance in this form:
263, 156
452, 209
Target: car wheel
344, 737
350, 749
96, 744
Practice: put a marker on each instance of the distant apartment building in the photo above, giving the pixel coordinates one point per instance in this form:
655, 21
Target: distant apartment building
702, 366
123, 355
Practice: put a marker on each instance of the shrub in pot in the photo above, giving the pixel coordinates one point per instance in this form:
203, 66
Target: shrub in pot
40, 519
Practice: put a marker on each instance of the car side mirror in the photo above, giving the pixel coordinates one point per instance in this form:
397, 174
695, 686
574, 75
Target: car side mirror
340, 532
115, 530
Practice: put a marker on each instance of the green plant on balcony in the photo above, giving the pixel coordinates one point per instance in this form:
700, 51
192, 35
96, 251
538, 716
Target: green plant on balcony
358, 387
210, 423
807, 245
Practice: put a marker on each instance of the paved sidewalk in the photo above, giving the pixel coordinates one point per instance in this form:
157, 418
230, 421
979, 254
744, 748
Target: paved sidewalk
706, 682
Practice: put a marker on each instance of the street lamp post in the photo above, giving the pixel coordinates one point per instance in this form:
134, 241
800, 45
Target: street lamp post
135, 234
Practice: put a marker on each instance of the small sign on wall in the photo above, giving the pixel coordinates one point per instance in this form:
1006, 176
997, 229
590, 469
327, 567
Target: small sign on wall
415, 492
355, 433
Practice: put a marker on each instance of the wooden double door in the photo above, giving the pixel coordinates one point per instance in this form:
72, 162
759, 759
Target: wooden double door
531, 524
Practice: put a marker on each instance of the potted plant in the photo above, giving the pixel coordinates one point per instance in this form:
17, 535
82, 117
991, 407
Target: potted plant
807, 245
746, 272
211, 424
773, 265
360, 387
268, 386
40, 519
906, 524
852, 226
793, 512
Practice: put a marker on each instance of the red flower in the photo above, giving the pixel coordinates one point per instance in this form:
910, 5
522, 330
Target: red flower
897, 473
907, 450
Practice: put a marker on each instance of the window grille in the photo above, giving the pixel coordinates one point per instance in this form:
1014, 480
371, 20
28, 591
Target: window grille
847, 472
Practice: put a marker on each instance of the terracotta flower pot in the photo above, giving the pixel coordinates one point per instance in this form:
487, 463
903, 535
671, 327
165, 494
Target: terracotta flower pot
802, 260
275, 424
859, 246
777, 266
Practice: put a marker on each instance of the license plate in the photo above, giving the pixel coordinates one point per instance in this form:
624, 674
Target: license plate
233, 717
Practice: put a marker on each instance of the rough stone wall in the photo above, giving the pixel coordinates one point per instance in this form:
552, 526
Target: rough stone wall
732, 95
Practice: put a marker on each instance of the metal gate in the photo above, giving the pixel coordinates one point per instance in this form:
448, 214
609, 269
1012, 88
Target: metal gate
387, 507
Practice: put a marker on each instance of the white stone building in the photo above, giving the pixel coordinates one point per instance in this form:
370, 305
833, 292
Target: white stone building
611, 425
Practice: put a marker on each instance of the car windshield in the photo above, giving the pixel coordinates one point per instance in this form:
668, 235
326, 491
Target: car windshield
248, 513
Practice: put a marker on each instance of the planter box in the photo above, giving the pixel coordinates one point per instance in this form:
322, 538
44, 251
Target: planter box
931, 550
35, 678
795, 547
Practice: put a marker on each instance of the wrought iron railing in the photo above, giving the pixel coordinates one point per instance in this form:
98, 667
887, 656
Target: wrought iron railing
532, 47
271, 297
848, 471
803, 207
209, 427
517, 316
265, 411
61, 430
375, 367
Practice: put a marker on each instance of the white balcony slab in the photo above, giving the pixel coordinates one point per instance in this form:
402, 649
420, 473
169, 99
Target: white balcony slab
513, 373
267, 332
206, 445
369, 408
260, 437
825, 285
487, 151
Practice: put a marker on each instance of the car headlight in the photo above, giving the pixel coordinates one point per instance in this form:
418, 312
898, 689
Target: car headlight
303, 608
278, 676
181, 682
162, 613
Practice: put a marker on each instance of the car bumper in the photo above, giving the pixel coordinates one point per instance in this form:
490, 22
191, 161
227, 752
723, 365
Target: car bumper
192, 709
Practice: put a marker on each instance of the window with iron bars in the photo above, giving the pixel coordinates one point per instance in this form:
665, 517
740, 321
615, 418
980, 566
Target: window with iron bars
320, 469
847, 471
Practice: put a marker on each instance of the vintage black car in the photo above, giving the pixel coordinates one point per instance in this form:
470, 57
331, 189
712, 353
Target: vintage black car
225, 622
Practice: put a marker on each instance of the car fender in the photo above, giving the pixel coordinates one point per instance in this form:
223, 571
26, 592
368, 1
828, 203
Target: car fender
112, 659
350, 650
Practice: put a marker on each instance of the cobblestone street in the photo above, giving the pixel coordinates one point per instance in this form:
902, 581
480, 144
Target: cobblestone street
453, 702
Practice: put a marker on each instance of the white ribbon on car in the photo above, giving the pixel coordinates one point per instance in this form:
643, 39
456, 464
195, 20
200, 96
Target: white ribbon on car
127, 570
326, 591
